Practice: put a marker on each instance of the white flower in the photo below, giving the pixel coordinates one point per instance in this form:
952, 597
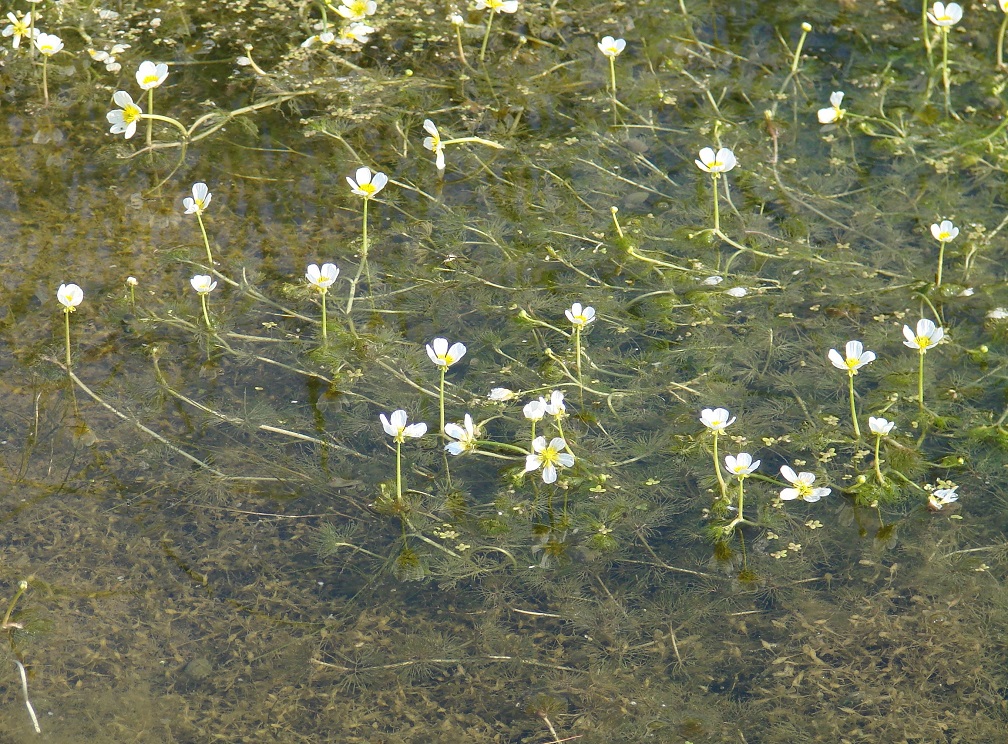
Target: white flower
498, 6
611, 47
203, 284
713, 281
998, 313
458, 20
199, 200
737, 292
464, 436
945, 16
499, 395
722, 162
855, 357
580, 316
124, 119
20, 28
880, 426
322, 278
357, 10
132, 281
803, 489
69, 296
151, 75
942, 496
395, 426
927, 336
716, 419
48, 44
945, 232
433, 143
325, 39
548, 457
366, 183
834, 113
742, 465
555, 405
355, 33
442, 355
1003, 5
534, 410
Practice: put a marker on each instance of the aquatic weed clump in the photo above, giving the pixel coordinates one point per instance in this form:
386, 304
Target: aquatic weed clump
595, 307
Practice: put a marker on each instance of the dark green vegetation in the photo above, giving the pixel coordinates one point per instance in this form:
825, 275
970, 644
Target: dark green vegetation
262, 588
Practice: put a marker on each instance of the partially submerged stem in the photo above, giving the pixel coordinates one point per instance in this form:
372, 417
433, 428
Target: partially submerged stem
878, 469
920, 381
206, 240
853, 407
717, 470
150, 115
486, 36
717, 207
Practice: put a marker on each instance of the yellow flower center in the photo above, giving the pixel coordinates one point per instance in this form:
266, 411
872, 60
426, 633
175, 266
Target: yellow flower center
150, 79
131, 113
368, 189
549, 456
923, 342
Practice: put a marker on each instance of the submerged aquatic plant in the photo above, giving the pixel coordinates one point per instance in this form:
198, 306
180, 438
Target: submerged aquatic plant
433, 143
612, 48
204, 285
397, 428
69, 296
717, 420
741, 466
926, 336
494, 7
444, 356
944, 232
195, 204
855, 357
321, 279
945, 17
880, 427
366, 185
579, 317
48, 45
716, 164
150, 76
1003, 4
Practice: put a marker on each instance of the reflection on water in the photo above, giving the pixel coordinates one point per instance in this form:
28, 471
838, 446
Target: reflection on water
217, 542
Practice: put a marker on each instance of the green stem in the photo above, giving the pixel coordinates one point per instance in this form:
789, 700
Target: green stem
878, 470
398, 476
946, 81
132, 298
741, 500
941, 261
853, 408
206, 240
925, 32
461, 49
920, 381
532, 439
577, 351
1000, 42
717, 470
717, 208
167, 120
45, 78
486, 36
150, 114
363, 261
22, 588
66, 328
325, 334
206, 314
798, 51
441, 398
612, 77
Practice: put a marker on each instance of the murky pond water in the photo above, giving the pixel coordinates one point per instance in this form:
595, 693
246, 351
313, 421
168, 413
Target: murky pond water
217, 542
